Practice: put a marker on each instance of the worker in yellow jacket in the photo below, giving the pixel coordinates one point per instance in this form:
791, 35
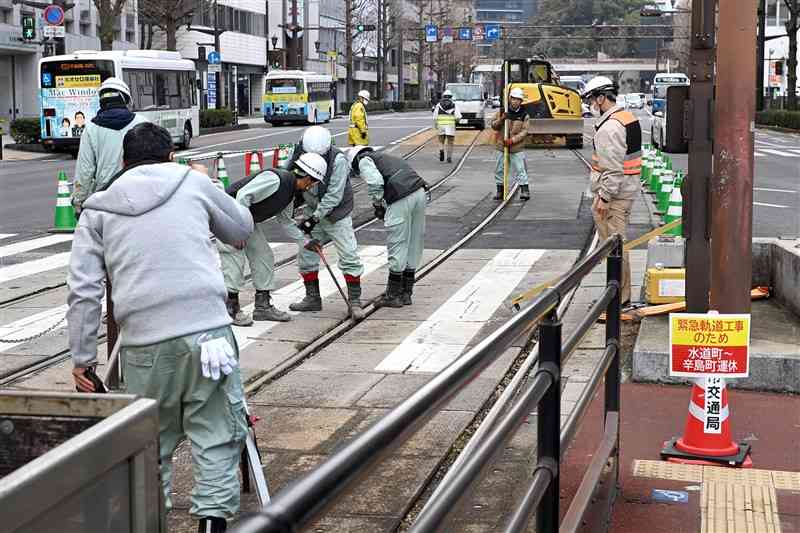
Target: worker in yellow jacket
358, 134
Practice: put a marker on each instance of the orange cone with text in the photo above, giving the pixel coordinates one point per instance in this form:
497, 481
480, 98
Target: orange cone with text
707, 438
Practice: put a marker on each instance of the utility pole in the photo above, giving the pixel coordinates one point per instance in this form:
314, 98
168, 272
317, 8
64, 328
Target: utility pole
732, 182
293, 59
400, 60
700, 114
348, 48
379, 51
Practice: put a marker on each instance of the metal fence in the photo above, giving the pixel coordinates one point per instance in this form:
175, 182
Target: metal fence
78, 463
305, 500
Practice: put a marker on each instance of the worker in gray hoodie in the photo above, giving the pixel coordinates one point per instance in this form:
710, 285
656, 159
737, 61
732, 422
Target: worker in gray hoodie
149, 232
100, 152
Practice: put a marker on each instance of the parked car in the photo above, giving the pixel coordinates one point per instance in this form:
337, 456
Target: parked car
634, 101
495, 100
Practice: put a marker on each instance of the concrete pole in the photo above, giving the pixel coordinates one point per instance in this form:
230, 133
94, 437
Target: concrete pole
732, 181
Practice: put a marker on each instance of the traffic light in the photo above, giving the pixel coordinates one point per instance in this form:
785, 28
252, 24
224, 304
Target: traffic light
361, 28
779, 68
28, 27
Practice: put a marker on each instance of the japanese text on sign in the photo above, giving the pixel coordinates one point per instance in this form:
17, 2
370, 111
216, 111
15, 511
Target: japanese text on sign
702, 345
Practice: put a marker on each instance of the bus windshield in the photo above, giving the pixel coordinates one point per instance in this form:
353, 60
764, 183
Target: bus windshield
69, 95
285, 86
465, 92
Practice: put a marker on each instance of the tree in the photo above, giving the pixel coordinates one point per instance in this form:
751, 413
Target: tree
108, 11
792, 26
168, 16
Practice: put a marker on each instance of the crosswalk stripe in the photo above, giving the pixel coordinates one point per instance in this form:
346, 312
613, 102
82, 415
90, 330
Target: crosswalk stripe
779, 152
786, 191
30, 268
778, 206
439, 340
30, 325
759, 154
6, 235
33, 244
373, 257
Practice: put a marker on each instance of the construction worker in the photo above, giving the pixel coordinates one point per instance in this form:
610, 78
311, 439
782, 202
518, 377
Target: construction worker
326, 215
268, 193
149, 231
398, 196
616, 165
358, 133
518, 129
100, 152
445, 117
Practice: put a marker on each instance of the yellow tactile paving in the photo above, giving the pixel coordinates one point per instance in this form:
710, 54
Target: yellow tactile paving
744, 476
736, 508
786, 480
666, 470
733, 500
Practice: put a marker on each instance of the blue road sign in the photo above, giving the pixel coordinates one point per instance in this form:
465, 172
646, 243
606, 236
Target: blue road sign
430, 33
670, 496
492, 32
465, 34
214, 58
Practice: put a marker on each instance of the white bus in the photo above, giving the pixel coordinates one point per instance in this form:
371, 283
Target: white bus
297, 96
163, 89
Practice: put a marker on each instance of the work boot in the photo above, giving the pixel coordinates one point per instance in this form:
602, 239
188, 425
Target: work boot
394, 291
408, 286
441, 155
449, 159
312, 301
240, 318
354, 296
265, 311
525, 193
499, 194
212, 524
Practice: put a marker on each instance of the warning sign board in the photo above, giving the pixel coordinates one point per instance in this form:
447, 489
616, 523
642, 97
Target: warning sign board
709, 345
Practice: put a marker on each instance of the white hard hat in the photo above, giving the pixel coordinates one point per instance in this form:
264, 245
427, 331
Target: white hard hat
516, 92
364, 94
352, 153
317, 140
114, 87
314, 165
447, 94
599, 85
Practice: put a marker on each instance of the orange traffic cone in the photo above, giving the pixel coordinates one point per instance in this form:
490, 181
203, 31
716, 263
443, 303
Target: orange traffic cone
707, 437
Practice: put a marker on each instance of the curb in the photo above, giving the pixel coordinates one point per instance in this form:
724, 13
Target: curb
776, 128
28, 147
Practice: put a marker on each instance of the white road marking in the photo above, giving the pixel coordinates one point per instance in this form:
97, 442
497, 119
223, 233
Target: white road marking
439, 340
373, 257
30, 325
756, 153
30, 268
7, 235
33, 244
282, 131
761, 204
788, 191
779, 152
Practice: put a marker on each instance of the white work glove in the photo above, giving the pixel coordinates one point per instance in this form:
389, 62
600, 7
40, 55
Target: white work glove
216, 355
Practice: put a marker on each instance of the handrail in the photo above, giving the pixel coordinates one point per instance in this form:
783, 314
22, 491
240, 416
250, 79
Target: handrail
307, 498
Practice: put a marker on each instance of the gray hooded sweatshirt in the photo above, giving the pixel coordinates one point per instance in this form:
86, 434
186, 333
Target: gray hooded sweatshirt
149, 232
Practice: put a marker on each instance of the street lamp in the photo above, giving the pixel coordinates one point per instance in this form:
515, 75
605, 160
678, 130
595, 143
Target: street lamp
274, 40
316, 46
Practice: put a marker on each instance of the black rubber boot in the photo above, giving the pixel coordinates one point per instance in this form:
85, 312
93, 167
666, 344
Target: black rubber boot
394, 291
212, 524
312, 301
525, 192
265, 311
408, 286
239, 317
449, 159
354, 295
441, 155
499, 194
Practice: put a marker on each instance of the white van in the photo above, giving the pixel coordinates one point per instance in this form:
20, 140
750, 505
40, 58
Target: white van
470, 102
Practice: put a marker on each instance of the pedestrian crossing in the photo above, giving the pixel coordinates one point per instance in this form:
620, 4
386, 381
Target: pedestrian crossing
785, 152
437, 336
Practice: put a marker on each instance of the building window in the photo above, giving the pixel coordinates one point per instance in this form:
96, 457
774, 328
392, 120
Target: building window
772, 12
6, 15
393, 57
130, 29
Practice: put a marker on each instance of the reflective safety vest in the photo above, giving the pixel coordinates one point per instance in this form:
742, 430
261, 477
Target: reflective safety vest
632, 164
446, 118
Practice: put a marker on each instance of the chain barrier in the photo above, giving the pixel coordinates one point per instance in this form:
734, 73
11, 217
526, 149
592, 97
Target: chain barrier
34, 337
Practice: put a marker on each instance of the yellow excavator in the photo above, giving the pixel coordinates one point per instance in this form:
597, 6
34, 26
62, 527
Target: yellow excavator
554, 109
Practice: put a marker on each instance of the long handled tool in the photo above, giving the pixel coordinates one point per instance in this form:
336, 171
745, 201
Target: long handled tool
251, 466
315, 246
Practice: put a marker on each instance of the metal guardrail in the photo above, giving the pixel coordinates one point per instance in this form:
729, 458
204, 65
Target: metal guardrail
79, 462
306, 499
